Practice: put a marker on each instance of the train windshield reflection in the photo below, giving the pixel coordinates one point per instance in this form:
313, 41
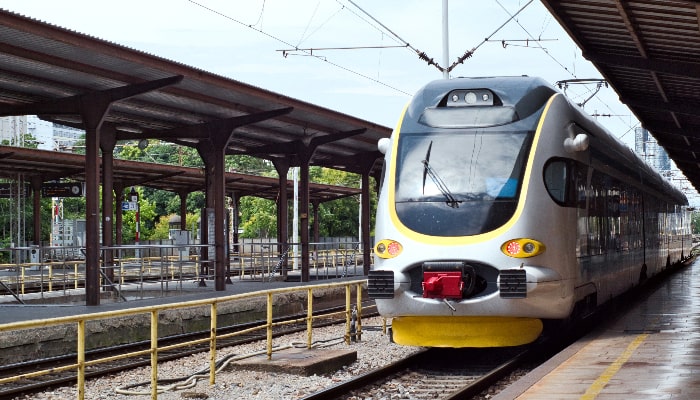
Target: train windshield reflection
474, 166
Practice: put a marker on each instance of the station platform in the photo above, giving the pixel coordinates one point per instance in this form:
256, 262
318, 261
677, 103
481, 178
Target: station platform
650, 352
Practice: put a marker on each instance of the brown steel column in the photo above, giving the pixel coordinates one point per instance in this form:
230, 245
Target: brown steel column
93, 107
119, 192
220, 238
107, 143
213, 156
304, 217
212, 150
183, 208
92, 209
282, 167
204, 220
36, 208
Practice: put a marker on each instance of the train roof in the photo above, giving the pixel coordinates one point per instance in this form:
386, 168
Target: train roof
527, 94
511, 89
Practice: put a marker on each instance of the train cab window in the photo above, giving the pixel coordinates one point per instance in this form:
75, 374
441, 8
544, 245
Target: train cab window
562, 178
556, 180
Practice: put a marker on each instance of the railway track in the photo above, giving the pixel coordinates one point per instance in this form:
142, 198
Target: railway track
60, 378
432, 374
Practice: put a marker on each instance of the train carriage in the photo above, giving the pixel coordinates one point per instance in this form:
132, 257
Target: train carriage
503, 205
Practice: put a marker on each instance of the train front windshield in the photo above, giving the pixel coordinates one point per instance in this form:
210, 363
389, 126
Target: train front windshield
459, 182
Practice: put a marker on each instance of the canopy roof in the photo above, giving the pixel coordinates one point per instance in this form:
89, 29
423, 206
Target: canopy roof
44, 67
649, 52
50, 165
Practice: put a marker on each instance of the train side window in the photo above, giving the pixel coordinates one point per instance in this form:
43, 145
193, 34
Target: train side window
557, 180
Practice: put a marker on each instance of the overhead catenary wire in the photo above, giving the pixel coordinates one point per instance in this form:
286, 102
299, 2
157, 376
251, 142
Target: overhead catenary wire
304, 36
291, 45
469, 53
422, 55
572, 73
512, 16
286, 52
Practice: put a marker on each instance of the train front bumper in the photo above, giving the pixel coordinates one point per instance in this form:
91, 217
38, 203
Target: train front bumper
465, 331
526, 292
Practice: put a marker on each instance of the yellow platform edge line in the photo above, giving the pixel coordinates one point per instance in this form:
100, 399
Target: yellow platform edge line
599, 384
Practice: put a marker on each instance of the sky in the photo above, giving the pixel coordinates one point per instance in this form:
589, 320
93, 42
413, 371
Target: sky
254, 41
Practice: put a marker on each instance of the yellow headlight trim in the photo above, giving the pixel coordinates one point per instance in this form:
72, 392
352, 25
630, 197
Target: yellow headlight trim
387, 248
522, 248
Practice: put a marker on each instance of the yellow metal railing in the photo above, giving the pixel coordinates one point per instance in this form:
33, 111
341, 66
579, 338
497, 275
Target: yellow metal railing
81, 335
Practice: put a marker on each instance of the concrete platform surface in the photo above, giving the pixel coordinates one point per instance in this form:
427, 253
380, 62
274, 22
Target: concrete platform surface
651, 352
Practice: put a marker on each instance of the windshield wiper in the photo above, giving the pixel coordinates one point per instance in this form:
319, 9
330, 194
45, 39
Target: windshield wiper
429, 171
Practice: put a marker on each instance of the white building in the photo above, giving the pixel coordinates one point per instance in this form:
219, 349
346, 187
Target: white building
48, 135
12, 130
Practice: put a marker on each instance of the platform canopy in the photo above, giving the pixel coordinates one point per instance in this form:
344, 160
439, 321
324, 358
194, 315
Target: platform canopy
116, 93
42, 65
51, 165
649, 52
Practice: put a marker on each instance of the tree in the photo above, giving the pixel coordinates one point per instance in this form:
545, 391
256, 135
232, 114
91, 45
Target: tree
162, 227
147, 218
339, 217
258, 217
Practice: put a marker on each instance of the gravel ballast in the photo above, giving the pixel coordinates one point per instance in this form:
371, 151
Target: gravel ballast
373, 351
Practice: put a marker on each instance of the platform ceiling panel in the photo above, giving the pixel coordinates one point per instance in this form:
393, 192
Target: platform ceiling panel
649, 52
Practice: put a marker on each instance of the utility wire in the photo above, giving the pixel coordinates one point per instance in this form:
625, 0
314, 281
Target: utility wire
470, 53
565, 68
262, 11
532, 37
291, 45
378, 29
421, 54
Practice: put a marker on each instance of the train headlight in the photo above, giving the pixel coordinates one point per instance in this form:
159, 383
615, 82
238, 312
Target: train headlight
522, 248
388, 248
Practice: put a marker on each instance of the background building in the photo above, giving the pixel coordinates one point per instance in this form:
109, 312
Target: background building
30, 131
648, 148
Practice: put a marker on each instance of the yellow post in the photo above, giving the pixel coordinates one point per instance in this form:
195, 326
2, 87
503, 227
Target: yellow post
359, 312
309, 317
154, 355
81, 359
269, 326
75, 272
212, 345
348, 313
22, 278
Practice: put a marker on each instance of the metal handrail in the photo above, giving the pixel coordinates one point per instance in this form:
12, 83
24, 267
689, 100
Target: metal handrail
213, 303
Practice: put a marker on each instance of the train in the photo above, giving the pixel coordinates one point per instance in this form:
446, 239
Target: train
504, 208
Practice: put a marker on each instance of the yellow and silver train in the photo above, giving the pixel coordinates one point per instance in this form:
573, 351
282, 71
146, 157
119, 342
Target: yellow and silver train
503, 206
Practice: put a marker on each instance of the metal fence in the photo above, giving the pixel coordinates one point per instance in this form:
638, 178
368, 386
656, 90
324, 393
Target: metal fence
163, 268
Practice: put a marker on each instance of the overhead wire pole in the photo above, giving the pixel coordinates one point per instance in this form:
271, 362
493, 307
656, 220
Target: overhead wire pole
445, 40
421, 54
